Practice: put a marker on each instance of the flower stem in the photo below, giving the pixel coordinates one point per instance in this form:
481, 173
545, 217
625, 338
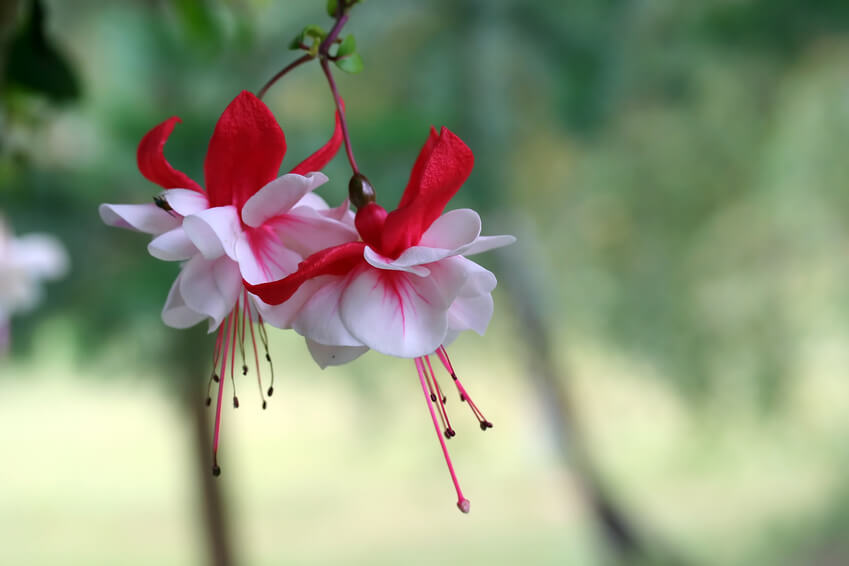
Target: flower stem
296, 63
342, 120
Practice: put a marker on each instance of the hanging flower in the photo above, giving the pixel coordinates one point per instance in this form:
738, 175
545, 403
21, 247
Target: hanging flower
405, 289
24, 262
246, 224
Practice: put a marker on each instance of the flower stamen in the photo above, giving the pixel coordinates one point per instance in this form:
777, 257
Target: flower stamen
436, 396
464, 395
463, 504
256, 354
216, 469
263, 336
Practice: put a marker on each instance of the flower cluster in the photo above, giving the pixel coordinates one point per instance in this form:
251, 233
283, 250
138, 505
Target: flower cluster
257, 248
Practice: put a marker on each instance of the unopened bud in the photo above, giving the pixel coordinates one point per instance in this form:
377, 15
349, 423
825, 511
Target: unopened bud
360, 191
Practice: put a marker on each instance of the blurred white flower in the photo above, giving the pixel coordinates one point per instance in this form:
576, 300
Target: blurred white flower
24, 262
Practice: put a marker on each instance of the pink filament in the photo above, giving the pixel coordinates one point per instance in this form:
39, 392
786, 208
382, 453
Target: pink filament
462, 502
217, 429
443, 357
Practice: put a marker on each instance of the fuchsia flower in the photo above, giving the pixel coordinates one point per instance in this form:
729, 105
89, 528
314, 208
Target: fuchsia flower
247, 224
405, 289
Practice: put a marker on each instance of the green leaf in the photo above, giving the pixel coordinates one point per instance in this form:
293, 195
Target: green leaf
331, 8
297, 41
347, 47
351, 64
315, 32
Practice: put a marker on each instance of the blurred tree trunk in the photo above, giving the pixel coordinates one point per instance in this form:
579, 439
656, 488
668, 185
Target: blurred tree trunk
191, 351
485, 82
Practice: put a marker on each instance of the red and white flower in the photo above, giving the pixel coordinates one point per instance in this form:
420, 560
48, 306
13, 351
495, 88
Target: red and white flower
247, 223
405, 289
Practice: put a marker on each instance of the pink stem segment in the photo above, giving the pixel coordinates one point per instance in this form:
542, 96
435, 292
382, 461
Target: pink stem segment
463, 504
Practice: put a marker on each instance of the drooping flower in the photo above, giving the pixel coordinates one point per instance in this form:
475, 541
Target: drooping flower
405, 289
247, 223
24, 262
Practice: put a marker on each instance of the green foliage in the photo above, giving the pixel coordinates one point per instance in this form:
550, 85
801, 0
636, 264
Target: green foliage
347, 47
351, 64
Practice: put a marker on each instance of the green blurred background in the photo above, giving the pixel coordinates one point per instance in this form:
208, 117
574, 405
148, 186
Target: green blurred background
666, 368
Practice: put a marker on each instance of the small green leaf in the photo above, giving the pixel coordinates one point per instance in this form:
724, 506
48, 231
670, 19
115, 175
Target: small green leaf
347, 47
350, 64
297, 41
315, 31
331, 8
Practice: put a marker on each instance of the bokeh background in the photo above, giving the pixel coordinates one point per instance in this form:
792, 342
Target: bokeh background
666, 368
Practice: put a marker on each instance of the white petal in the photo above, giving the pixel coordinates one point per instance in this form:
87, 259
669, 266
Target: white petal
262, 257
452, 230
279, 196
186, 201
214, 231
173, 245
175, 313
312, 201
142, 217
40, 255
334, 355
470, 313
395, 313
381, 262
319, 316
478, 280
211, 287
307, 231
486, 243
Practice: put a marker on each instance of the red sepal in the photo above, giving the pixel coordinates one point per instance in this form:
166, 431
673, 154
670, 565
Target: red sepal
325, 153
443, 165
245, 152
338, 260
152, 163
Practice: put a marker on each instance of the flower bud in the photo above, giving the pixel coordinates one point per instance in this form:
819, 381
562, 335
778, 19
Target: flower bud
360, 191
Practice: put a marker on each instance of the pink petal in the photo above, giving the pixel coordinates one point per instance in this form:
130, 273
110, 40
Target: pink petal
152, 162
214, 231
338, 260
245, 152
185, 202
325, 153
334, 355
211, 287
279, 196
262, 257
395, 313
173, 245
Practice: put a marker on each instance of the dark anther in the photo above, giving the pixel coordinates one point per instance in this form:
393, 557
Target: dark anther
444, 399
462, 397
433, 397
208, 401
454, 376
216, 471
162, 203
267, 355
360, 191
244, 370
264, 405
235, 402
270, 391
485, 425
215, 377
449, 433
